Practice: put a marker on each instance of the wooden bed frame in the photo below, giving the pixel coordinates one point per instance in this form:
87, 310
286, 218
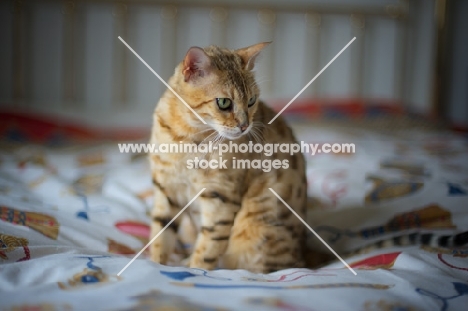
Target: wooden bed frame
63, 57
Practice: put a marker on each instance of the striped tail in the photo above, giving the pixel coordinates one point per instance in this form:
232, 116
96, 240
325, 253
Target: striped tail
423, 239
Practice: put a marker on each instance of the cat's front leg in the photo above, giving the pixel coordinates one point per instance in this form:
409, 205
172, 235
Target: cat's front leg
217, 218
163, 212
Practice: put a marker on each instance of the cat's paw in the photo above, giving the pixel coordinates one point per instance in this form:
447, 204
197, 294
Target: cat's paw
185, 262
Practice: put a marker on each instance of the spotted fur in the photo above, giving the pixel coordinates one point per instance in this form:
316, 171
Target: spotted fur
430, 239
236, 222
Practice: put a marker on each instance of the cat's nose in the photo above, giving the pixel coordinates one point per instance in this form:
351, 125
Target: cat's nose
243, 126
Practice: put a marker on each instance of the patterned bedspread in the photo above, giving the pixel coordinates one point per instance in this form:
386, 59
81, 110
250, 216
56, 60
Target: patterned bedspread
72, 216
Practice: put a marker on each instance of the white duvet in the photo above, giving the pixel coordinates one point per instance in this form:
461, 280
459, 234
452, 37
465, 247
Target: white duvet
72, 218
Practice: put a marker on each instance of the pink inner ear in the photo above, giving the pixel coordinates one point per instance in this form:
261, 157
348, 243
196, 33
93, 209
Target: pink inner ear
196, 63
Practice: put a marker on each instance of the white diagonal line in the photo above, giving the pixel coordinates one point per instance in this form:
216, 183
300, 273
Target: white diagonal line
162, 80
159, 233
313, 79
315, 233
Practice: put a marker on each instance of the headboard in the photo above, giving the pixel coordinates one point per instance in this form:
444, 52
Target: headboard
64, 57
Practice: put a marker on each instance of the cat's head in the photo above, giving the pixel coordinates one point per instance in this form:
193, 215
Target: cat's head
220, 86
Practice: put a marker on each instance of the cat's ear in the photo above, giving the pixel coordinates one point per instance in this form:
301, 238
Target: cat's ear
249, 54
196, 64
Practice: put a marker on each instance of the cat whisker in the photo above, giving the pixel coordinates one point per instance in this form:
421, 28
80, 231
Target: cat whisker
203, 131
258, 134
196, 134
258, 139
258, 124
207, 138
250, 136
263, 127
219, 139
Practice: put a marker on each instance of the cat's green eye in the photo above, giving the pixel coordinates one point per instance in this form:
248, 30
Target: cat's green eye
252, 101
224, 103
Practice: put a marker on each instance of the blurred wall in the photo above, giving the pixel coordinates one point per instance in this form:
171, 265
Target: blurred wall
64, 56
455, 101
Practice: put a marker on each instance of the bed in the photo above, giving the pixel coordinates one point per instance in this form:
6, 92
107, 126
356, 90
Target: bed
74, 210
